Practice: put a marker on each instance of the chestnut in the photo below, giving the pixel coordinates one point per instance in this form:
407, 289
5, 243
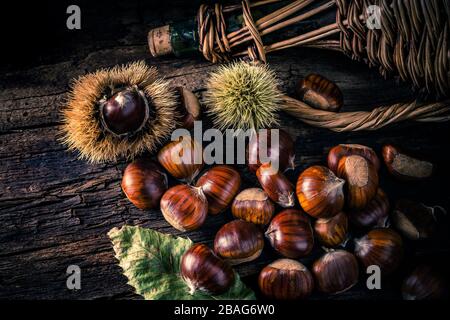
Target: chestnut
290, 234
188, 107
424, 283
285, 279
202, 270
381, 247
276, 185
184, 207
183, 158
336, 153
414, 220
320, 192
336, 271
220, 185
375, 214
125, 112
239, 241
333, 231
320, 93
253, 205
144, 182
284, 152
404, 166
362, 180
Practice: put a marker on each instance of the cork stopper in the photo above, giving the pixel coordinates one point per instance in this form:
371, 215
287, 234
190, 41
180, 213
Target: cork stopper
159, 41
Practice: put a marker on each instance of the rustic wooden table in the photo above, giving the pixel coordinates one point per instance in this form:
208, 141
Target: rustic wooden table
56, 210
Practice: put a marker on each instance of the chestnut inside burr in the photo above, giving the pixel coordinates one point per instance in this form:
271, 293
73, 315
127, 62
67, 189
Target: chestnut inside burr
125, 112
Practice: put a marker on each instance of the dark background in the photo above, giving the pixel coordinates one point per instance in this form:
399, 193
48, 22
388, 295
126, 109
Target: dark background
55, 210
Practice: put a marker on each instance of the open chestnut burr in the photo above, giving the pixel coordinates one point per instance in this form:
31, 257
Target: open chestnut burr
239, 241
119, 113
290, 233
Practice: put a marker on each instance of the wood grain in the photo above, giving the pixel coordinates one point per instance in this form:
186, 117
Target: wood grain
55, 210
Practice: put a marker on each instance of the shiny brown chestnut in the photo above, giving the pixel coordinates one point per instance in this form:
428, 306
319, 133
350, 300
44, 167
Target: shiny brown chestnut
336, 271
125, 112
424, 283
333, 231
189, 108
320, 192
414, 220
404, 166
183, 158
184, 207
286, 279
290, 233
320, 93
220, 185
253, 205
279, 189
380, 247
336, 153
376, 213
239, 241
202, 270
283, 152
144, 182
362, 180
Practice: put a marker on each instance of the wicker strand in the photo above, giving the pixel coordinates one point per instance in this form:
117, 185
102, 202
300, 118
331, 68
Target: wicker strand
367, 120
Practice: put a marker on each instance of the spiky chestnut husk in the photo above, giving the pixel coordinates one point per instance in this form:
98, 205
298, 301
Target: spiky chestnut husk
244, 96
84, 128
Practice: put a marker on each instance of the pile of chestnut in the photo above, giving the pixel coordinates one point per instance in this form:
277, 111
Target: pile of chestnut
321, 207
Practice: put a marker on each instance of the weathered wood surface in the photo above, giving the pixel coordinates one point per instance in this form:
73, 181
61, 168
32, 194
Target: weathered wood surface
56, 210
